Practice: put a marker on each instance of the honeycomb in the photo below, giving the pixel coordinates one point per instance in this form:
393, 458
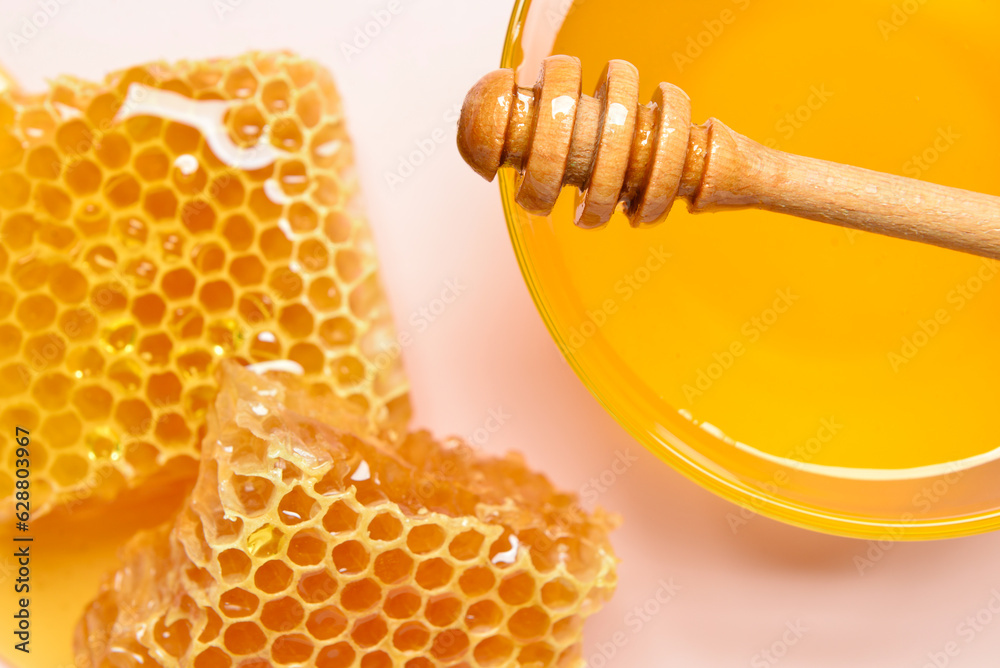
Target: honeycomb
309, 542
156, 223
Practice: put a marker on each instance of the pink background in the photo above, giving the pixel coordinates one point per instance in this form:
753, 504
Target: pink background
764, 586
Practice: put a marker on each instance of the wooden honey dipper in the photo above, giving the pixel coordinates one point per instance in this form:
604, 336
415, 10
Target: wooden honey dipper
615, 150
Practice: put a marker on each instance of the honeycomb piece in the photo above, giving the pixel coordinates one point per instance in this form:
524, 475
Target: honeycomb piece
308, 542
157, 222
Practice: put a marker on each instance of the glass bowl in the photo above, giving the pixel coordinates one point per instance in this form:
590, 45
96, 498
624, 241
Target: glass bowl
831, 379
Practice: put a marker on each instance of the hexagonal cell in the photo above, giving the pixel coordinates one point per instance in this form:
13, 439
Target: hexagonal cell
483, 616
273, 576
247, 270
466, 545
173, 639
240, 82
302, 217
53, 200
348, 370
101, 259
297, 506
245, 123
181, 138
313, 255
113, 149
42, 163
93, 402
83, 177
264, 542
253, 493
108, 298
317, 587
238, 232
276, 96
265, 346
350, 557
149, 309
216, 296
141, 272
163, 389
443, 610
286, 283
160, 203
198, 216
68, 285
528, 623
286, 134
238, 602
51, 390
274, 245
327, 144
187, 175
309, 107
360, 595
434, 573
72, 137
369, 631
152, 163
154, 349
61, 430
178, 284
393, 566
36, 312
119, 338
234, 565
310, 357
58, 237
263, 207
122, 190
282, 615
227, 190
92, 219
172, 429
44, 351
307, 548
296, 320
494, 651
85, 362
255, 308
294, 179
425, 538
326, 623
244, 638
30, 273
410, 636
477, 580
559, 593
294, 648
338, 655
171, 247
449, 645
208, 257
131, 231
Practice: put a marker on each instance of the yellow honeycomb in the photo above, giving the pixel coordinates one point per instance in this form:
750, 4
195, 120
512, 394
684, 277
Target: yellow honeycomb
157, 222
307, 542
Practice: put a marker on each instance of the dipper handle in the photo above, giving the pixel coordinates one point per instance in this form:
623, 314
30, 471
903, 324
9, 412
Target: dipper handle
645, 156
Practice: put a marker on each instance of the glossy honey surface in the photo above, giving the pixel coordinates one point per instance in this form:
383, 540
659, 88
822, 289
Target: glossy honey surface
748, 346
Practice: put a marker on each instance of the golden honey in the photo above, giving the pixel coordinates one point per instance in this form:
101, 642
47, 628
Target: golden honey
308, 542
153, 224
795, 356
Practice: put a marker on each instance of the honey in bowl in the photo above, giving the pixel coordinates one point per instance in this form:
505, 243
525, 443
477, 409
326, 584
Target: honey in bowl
833, 378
